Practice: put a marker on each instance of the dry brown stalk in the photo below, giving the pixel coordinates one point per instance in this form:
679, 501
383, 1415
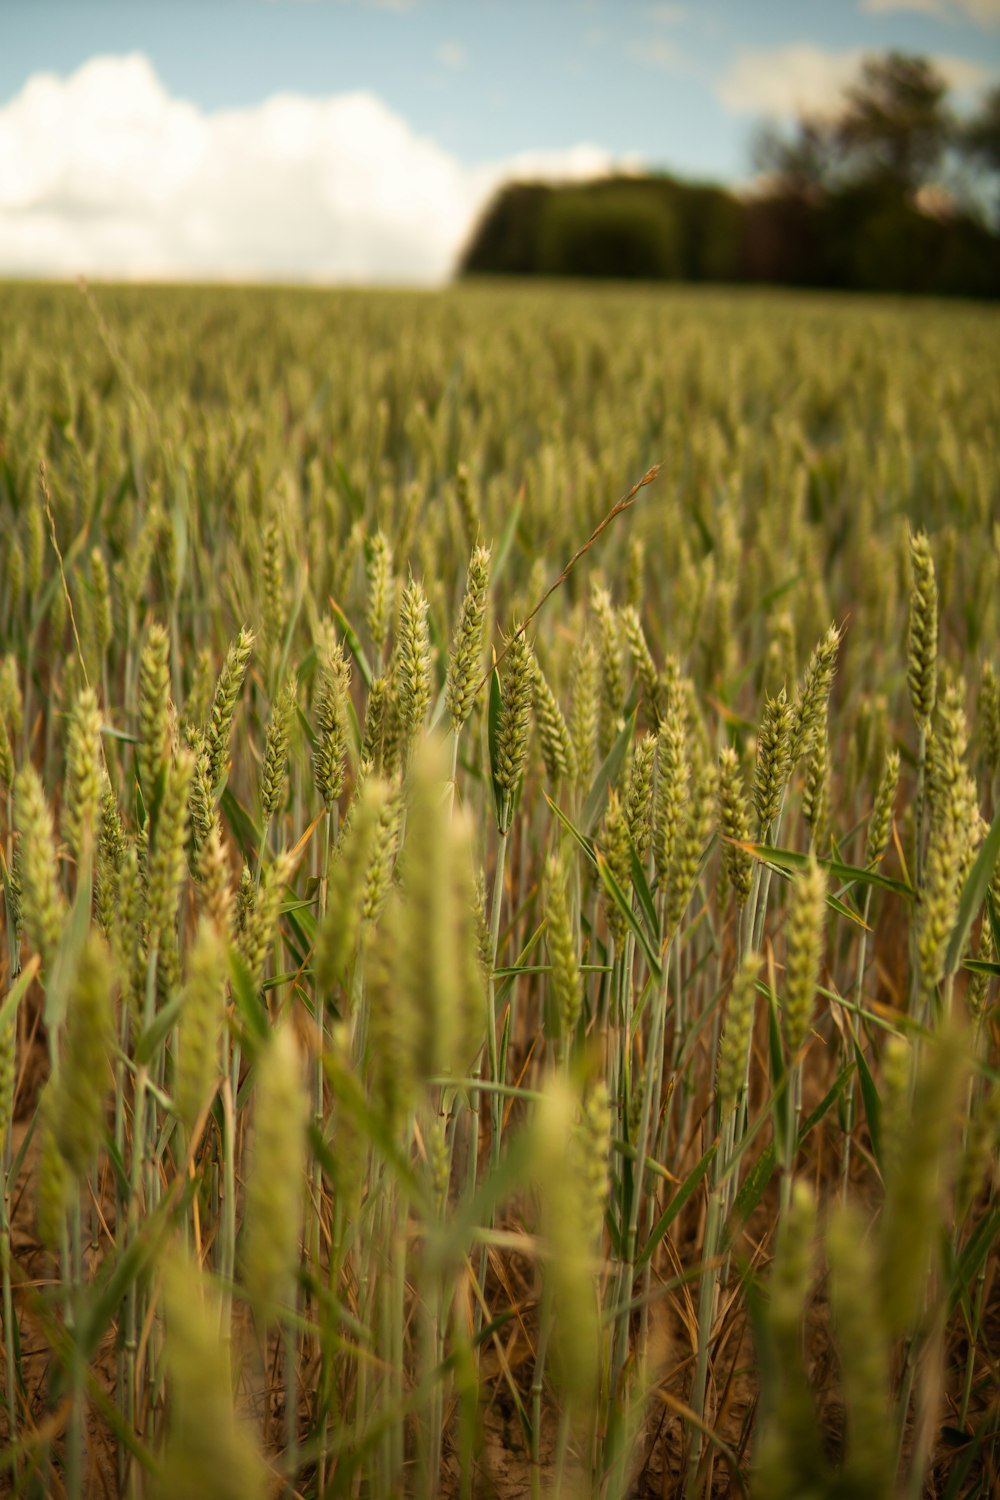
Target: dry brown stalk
623, 504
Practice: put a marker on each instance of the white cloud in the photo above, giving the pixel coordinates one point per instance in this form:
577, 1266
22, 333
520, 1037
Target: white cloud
801, 78
982, 12
104, 173
787, 79
667, 15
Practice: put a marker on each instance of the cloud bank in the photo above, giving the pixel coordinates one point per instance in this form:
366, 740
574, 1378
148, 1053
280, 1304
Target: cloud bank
103, 173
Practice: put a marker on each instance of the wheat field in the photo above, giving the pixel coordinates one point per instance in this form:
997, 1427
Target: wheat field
498, 979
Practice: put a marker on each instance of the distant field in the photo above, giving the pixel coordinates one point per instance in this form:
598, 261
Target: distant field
575, 1077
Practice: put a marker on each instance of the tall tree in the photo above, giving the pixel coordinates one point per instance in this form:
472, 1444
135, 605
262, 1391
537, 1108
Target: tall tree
896, 124
891, 133
800, 164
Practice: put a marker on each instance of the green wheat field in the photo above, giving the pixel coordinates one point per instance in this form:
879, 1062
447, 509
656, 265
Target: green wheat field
456, 1047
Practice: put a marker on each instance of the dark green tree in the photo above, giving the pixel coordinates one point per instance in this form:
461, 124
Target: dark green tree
842, 204
620, 230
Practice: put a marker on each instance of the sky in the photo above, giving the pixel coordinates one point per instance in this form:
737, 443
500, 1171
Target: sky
357, 140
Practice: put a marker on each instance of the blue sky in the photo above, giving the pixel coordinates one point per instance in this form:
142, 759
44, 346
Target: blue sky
470, 86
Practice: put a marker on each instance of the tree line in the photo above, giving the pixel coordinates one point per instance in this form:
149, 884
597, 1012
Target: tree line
892, 192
